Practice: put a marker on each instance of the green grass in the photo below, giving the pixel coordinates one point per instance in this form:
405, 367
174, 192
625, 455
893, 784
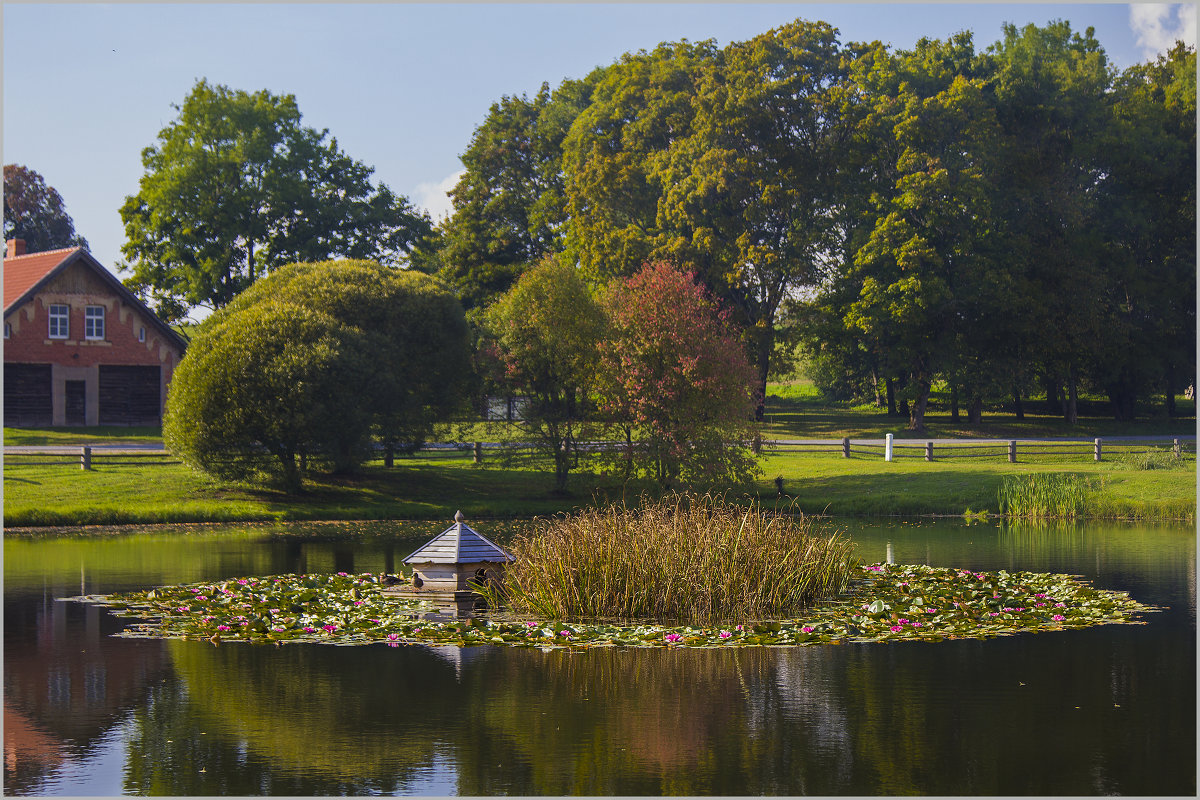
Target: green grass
1129, 484
435, 489
796, 410
81, 436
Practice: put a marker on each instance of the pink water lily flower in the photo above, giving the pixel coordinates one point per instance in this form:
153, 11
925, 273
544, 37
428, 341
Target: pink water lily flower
725, 634
1058, 617
673, 637
807, 629
896, 629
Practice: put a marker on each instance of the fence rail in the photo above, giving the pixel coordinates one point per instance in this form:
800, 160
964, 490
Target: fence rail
517, 452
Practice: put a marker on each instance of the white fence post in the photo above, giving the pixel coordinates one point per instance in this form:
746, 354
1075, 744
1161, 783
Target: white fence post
887, 448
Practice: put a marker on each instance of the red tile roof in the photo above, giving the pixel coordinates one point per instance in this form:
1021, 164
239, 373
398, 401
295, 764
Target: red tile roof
22, 272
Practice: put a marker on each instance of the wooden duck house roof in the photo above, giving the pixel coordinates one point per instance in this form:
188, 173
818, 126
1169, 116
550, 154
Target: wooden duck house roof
458, 544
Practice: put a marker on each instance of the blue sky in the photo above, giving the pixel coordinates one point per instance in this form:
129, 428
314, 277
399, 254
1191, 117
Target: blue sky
400, 85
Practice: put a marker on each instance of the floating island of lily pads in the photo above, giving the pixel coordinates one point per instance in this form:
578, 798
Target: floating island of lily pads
887, 602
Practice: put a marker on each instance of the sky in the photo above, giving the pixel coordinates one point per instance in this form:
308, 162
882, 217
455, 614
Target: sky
402, 86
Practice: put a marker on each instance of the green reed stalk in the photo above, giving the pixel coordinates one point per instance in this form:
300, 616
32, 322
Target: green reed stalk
1043, 496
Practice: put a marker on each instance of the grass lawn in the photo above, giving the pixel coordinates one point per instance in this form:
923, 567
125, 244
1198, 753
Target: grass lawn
425, 489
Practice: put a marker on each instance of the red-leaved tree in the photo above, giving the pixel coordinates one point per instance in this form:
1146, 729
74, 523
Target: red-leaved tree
675, 373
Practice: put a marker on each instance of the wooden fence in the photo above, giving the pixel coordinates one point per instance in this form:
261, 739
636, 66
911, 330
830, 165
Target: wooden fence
517, 453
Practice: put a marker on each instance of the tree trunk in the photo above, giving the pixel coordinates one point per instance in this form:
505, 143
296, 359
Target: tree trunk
975, 410
879, 401
766, 344
1018, 408
891, 397
1170, 391
250, 261
916, 420
954, 404
1072, 400
1053, 395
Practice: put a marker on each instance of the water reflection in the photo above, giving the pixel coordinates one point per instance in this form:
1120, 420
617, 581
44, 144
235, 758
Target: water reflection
1098, 711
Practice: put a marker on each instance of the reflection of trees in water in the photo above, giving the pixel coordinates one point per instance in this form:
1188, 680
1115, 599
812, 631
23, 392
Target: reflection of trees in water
66, 683
308, 719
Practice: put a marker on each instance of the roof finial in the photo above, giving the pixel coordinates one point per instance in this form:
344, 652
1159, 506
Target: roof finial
458, 516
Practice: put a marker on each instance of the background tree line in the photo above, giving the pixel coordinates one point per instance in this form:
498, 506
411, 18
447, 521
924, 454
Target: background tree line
1013, 221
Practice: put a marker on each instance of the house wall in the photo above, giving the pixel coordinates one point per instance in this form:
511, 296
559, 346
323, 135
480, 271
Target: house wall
76, 358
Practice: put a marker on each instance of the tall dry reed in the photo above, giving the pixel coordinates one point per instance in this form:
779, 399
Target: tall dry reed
685, 559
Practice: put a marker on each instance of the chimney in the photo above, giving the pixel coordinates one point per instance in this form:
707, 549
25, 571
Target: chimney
16, 247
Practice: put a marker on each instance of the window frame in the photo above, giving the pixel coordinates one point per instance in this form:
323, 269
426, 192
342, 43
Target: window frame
58, 320
93, 323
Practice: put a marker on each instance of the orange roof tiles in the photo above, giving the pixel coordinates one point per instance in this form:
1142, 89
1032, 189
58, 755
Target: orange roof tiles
21, 273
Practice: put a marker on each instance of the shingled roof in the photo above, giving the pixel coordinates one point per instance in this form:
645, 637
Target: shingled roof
458, 544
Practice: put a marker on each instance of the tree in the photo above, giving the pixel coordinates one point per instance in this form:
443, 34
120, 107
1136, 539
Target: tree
508, 204
34, 211
1148, 207
675, 372
1051, 89
545, 331
749, 196
236, 187
316, 362
931, 292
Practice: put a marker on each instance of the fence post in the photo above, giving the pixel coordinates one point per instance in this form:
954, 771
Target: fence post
887, 448
1097, 449
929, 451
846, 447
1177, 447
1012, 451
478, 453
85, 458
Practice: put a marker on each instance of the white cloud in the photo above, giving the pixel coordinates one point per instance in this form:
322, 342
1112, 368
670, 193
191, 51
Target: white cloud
433, 197
1156, 26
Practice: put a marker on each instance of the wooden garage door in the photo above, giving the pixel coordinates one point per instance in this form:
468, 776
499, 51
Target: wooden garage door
27, 396
130, 396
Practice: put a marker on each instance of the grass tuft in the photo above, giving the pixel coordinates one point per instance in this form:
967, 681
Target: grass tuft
684, 559
1043, 495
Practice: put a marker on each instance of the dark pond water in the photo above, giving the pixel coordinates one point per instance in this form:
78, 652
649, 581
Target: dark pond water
1099, 711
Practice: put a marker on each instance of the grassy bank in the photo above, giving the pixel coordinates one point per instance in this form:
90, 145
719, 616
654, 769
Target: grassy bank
435, 489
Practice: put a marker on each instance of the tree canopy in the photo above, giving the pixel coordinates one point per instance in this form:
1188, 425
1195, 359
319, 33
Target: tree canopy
236, 186
997, 219
315, 363
34, 211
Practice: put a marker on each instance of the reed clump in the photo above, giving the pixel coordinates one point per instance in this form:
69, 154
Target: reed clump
685, 559
1043, 495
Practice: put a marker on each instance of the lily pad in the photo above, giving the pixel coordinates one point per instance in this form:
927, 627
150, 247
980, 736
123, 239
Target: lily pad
885, 603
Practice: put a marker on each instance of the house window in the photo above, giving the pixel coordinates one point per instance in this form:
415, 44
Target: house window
7, 330
93, 322
60, 316
141, 334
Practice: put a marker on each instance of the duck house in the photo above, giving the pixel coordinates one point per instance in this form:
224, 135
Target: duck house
445, 564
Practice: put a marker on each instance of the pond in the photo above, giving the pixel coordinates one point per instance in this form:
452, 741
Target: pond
1106, 710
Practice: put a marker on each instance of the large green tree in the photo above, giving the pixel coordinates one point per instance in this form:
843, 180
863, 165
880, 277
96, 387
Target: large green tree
315, 363
34, 211
1148, 208
237, 186
929, 287
1051, 88
749, 197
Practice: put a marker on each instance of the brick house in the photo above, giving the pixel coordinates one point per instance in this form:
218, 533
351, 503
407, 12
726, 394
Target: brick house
80, 348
